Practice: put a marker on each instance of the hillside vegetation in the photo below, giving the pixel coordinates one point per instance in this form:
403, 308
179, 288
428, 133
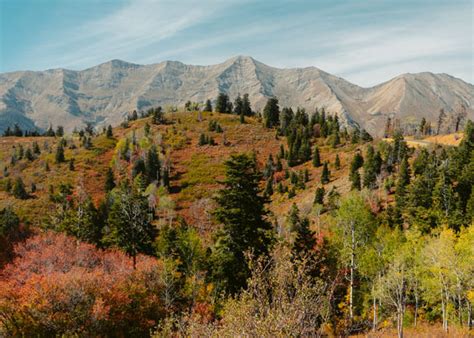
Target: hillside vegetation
225, 222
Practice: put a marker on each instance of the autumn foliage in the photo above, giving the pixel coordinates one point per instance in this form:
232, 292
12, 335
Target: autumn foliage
59, 285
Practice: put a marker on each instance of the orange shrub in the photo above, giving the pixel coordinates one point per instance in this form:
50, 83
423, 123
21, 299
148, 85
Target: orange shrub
57, 285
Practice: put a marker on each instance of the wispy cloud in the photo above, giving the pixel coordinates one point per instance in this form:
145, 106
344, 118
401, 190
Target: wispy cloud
132, 28
364, 41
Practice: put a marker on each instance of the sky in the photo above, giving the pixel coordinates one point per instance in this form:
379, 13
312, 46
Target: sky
365, 42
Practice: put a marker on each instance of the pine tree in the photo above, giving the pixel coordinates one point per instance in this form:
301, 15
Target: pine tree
208, 106
60, 154
271, 113
19, 190
238, 106
29, 155
109, 133
60, 131
158, 116
246, 107
268, 187
241, 211
152, 165
325, 175
202, 140
139, 167
36, 148
109, 180
336, 139
319, 195
316, 158
337, 163
222, 103
355, 180
129, 223
370, 169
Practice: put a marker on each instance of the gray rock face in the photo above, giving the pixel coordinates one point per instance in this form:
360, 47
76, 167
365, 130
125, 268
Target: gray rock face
104, 94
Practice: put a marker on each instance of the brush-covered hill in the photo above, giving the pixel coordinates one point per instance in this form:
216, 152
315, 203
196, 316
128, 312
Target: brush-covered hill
118, 230
104, 94
195, 169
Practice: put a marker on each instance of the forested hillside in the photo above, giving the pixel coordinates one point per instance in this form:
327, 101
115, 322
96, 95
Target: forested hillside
225, 222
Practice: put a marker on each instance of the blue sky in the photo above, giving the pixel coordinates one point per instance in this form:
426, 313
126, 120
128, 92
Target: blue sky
366, 42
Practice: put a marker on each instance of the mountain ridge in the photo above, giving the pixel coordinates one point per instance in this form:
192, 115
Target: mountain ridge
105, 93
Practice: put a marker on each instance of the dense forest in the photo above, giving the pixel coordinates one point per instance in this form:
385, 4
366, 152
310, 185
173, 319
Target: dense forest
303, 226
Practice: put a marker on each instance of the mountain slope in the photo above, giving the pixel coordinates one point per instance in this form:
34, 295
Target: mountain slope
104, 94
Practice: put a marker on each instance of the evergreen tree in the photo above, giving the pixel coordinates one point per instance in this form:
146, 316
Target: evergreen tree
286, 116
241, 211
402, 184
238, 106
36, 148
158, 116
129, 222
271, 113
139, 167
208, 106
370, 169
152, 165
355, 180
19, 190
336, 140
29, 155
337, 162
60, 154
109, 180
222, 103
17, 131
316, 158
268, 187
246, 107
325, 175
109, 132
357, 162
60, 131
319, 195
50, 131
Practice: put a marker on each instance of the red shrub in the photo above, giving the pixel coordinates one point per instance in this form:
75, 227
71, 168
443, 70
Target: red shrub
58, 285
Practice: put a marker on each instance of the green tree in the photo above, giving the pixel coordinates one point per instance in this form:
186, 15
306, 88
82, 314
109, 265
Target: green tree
208, 106
36, 148
139, 167
370, 169
152, 165
271, 113
402, 183
246, 107
241, 211
60, 153
109, 132
129, 222
238, 105
109, 180
222, 103
316, 157
319, 196
355, 227
19, 190
355, 180
337, 162
325, 175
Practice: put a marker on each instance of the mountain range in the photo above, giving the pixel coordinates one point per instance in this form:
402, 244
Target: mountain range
106, 93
